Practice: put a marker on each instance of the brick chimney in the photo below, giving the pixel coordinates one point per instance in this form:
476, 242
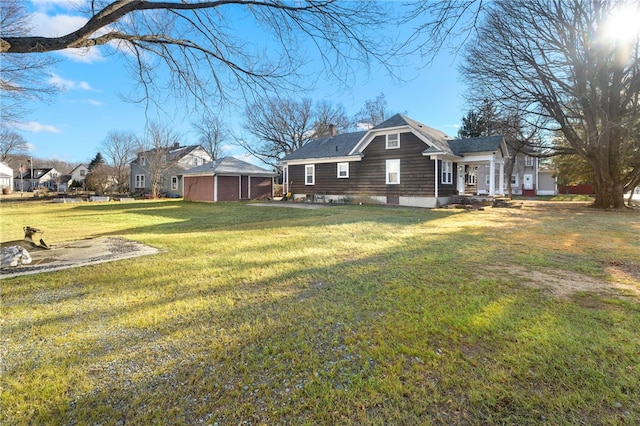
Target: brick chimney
332, 130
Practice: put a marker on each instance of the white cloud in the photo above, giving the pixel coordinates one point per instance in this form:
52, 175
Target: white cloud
65, 84
35, 127
95, 102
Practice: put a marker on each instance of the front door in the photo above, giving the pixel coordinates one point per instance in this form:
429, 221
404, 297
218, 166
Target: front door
528, 182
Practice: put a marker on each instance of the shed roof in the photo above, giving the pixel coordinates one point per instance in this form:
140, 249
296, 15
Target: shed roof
473, 145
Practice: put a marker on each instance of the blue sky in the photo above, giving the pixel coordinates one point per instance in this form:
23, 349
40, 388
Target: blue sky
72, 126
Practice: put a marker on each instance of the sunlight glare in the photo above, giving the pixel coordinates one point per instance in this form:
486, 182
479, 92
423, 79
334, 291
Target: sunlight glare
623, 24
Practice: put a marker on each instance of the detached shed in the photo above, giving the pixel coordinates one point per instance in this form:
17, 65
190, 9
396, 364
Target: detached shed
227, 179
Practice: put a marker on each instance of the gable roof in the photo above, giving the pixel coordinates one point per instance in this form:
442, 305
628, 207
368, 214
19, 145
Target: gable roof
229, 166
437, 138
37, 173
474, 145
174, 152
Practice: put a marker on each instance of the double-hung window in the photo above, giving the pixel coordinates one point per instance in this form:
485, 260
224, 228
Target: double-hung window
310, 174
528, 161
343, 170
393, 172
447, 174
393, 141
140, 184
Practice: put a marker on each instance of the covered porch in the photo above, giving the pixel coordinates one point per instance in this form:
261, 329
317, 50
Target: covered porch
481, 175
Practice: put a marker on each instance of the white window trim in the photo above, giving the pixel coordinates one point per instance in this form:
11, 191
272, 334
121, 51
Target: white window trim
528, 161
447, 172
174, 183
487, 180
313, 174
143, 160
387, 171
514, 179
346, 168
140, 181
387, 146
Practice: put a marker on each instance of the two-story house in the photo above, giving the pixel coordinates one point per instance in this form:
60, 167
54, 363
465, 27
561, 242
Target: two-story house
165, 167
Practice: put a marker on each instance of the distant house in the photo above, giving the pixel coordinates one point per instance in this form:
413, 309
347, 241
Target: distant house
171, 163
78, 174
228, 179
528, 177
46, 178
6, 177
400, 161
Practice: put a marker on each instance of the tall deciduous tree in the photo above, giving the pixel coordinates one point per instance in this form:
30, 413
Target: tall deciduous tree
156, 145
11, 144
563, 65
212, 133
119, 148
280, 126
21, 76
374, 112
210, 56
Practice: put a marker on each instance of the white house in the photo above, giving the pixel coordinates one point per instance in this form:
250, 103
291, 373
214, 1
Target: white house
6, 177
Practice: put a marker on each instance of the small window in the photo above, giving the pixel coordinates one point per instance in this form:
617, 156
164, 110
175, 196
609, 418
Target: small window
393, 141
143, 161
447, 174
195, 161
82, 172
140, 183
343, 170
310, 174
514, 180
528, 161
393, 172
174, 183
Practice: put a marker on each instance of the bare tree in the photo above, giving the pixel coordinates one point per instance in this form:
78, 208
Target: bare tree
280, 126
11, 144
209, 56
372, 113
554, 64
119, 148
212, 133
329, 118
156, 145
21, 76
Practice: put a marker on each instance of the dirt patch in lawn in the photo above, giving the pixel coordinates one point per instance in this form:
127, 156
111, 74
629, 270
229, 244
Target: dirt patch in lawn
624, 281
74, 254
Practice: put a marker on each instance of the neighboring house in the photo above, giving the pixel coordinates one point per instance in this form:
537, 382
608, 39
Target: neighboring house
528, 178
46, 178
400, 161
228, 179
6, 178
78, 174
173, 162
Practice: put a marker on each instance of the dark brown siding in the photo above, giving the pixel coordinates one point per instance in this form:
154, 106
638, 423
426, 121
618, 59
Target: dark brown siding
198, 188
228, 188
261, 187
367, 177
244, 188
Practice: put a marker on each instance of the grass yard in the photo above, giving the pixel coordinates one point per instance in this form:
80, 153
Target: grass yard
341, 315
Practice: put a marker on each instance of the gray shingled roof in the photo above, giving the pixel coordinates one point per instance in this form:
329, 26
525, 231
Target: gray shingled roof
329, 146
471, 145
229, 166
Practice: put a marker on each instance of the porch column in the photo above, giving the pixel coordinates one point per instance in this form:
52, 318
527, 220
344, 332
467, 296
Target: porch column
436, 180
501, 178
492, 176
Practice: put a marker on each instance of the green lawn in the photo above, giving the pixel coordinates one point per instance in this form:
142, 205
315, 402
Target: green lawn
342, 315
